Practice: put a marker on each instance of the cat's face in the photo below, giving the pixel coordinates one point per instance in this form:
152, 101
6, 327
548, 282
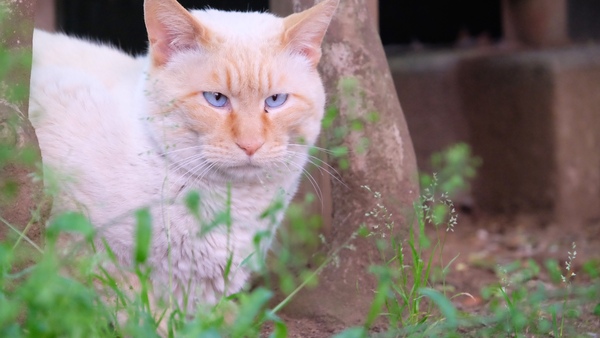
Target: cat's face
235, 95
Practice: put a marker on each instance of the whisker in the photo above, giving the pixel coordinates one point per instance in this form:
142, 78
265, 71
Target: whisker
181, 149
186, 161
327, 151
192, 172
315, 185
305, 172
207, 170
310, 178
312, 160
317, 163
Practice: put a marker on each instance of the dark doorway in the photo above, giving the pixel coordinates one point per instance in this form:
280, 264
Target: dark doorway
438, 22
121, 22
432, 22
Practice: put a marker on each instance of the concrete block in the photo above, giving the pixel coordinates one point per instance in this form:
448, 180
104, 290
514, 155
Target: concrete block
507, 102
427, 88
532, 116
577, 133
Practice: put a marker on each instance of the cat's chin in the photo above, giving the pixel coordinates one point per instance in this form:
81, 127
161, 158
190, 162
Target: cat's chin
239, 173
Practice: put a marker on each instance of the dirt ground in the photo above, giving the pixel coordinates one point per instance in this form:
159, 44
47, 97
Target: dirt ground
481, 243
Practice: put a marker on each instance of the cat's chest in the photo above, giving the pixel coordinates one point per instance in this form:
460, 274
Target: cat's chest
243, 205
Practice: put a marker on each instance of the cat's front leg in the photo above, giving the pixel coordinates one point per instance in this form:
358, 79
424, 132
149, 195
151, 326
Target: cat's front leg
195, 268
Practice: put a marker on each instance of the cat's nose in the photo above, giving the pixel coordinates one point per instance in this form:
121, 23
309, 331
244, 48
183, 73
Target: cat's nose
250, 146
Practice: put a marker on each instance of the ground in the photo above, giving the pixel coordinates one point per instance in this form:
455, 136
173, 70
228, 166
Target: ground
482, 243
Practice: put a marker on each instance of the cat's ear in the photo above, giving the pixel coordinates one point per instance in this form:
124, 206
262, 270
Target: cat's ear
171, 28
304, 31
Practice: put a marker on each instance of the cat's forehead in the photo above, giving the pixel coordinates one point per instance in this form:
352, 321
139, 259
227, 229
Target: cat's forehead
250, 26
248, 72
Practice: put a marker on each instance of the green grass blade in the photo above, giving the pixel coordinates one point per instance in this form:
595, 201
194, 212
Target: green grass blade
445, 306
143, 235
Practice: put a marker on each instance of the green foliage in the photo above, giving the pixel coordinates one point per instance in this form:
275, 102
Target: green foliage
445, 305
59, 295
40, 302
296, 251
415, 301
348, 136
70, 222
192, 202
143, 235
592, 268
454, 168
13, 62
354, 332
404, 292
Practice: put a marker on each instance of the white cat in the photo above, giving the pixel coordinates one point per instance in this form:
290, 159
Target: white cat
225, 103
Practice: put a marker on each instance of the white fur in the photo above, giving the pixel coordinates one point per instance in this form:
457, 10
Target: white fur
95, 110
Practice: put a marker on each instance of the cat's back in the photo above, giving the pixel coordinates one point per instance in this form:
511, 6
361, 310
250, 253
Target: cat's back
81, 108
105, 63
78, 86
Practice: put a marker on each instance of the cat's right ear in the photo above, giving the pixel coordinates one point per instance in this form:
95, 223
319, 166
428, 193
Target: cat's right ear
171, 28
304, 31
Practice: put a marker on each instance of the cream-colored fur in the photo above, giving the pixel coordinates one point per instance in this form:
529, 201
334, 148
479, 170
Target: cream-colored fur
137, 132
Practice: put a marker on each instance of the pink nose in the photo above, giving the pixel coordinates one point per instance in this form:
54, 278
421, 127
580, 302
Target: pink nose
250, 147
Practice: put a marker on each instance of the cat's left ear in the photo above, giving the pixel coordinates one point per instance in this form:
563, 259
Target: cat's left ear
171, 28
304, 31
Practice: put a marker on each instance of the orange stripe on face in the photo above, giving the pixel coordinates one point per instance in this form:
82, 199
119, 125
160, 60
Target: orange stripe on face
215, 77
235, 86
260, 76
228, 78
189, 102
266, 125
305, 100
188, 96
232, 123
269, 81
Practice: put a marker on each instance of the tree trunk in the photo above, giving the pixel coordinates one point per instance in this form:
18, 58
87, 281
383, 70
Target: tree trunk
359, 84
21, 196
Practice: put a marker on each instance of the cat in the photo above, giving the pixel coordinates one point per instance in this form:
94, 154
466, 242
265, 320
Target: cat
224, 103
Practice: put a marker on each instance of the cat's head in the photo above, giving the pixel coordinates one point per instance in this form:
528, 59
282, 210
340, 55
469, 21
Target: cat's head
234, 94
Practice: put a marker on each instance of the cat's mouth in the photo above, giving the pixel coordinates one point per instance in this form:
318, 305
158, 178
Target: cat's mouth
243, 171
247, 163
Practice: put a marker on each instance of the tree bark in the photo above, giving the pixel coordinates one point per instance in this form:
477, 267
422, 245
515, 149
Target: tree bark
359, 84
22, 201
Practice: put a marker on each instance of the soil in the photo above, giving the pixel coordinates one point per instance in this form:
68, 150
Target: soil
482, 243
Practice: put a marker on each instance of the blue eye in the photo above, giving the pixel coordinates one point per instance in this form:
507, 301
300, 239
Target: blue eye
215, 99
276, 100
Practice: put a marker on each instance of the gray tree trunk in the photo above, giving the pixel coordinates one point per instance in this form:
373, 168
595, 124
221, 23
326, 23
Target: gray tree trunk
359, 83
21, 197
